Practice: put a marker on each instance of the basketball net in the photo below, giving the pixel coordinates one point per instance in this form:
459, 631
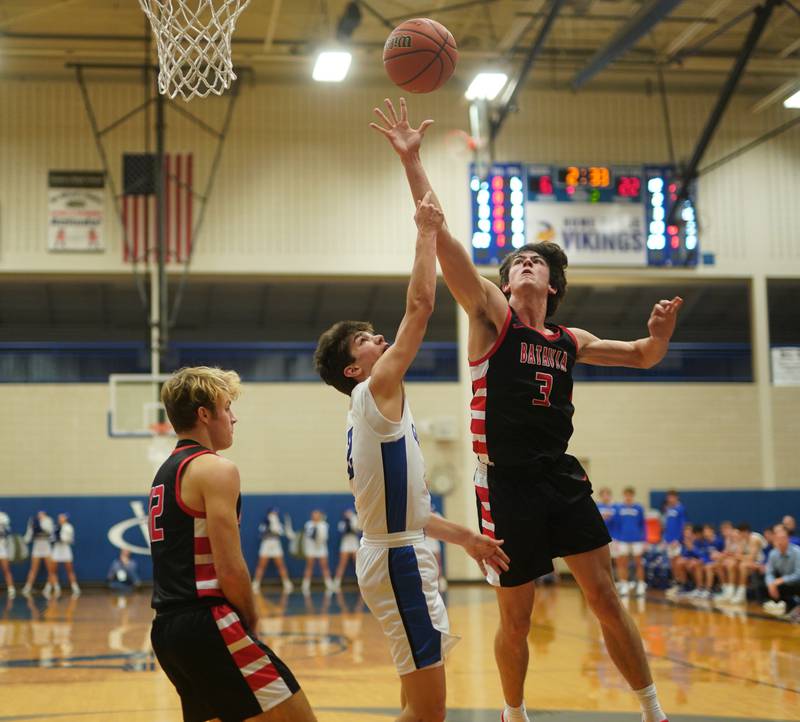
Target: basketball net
193, 38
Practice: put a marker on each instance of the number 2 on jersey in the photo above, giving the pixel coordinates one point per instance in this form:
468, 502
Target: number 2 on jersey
545, 389
156, 509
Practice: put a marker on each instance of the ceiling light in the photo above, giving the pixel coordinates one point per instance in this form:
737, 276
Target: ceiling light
793, 101
486, 86
332, 66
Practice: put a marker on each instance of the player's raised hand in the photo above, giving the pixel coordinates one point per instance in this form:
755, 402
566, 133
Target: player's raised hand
486, 551
661, 323
403, 138
429, 218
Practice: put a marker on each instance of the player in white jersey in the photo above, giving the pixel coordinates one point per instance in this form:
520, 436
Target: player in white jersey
396, 572
38, 532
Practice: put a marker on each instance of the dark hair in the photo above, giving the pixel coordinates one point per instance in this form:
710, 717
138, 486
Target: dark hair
629, 490
333, 355
556, 260
672, 492
743, 526
697, 529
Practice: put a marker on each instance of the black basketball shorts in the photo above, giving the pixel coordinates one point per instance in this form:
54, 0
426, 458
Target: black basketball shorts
218, 666
541, 512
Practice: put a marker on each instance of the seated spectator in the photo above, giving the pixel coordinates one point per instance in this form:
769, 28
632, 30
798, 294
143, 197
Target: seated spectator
790, 525
122, 574
749, 558
689, 562
783, 574
727, 562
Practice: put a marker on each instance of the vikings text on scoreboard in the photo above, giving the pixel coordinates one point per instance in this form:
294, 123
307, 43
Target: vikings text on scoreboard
600, 215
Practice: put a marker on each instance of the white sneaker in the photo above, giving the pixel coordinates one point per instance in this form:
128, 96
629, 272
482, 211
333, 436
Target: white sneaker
47, 590
329, 586
12, 592
288, 586
76, 590
641, 589
723, 596
306, 586
673, 591
57, 590
26, 591
777, 609
255, 586
739, 596
623, 588
337, 584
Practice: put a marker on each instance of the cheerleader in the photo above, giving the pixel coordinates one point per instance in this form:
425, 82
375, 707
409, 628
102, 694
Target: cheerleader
271, 530
63, 538
348, 546
38, 532
315, 547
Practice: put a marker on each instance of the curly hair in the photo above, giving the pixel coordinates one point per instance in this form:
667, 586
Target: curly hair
556, 260
333, 355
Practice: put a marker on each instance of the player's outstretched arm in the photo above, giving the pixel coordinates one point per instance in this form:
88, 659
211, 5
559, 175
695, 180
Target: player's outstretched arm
386, 379
478, 296
484, 550
643, 353
218, 482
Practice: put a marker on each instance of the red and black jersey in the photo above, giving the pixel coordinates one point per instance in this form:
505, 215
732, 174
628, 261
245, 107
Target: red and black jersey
183, 567
522, 395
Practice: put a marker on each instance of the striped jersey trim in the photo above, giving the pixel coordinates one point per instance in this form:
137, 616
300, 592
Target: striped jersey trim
205, 574
264, 680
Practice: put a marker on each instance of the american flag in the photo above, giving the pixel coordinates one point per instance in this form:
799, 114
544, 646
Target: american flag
139, 206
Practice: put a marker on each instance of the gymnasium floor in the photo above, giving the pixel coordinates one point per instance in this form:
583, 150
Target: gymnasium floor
88, 660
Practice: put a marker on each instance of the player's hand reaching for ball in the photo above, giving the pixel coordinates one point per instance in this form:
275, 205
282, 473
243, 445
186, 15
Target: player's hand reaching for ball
403, 138
429, 218
661, 323
487, 552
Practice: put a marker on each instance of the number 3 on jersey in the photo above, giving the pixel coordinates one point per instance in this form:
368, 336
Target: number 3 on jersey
156, 509
547, 386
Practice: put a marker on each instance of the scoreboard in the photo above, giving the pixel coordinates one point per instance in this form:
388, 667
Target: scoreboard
600, 215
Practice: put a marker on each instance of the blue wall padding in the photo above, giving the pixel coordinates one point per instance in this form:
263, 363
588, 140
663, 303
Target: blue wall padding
759, 507
93, 516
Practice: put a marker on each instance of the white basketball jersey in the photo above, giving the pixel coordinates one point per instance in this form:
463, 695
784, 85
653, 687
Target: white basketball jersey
386, 468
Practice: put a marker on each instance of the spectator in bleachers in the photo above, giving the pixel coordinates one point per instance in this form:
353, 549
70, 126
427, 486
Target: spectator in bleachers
630, 530
684, 563
715, 545
674, 521
726, 564
5, 553
123, 575
769, 537
750, 558
783, 574
790, 525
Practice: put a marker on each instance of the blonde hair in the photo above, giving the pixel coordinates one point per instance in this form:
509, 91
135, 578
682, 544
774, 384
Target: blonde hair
191, 387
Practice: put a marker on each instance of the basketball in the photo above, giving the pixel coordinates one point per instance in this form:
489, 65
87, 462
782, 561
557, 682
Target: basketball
420, 55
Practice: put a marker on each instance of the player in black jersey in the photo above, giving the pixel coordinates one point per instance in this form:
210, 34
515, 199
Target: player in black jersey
529, 491
204, 631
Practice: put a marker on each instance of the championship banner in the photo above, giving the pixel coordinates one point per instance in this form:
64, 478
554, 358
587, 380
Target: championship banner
75, 210
591, 234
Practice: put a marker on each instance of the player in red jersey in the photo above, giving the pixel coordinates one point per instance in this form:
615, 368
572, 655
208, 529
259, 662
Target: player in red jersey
204, 631
529, 491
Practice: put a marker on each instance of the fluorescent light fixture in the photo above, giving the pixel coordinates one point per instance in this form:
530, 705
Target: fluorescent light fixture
332, 66
486, 86
793, 101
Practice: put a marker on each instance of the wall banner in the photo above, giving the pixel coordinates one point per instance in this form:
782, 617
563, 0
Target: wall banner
75, 210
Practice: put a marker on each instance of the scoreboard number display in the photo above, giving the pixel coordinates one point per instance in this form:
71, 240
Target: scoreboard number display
600, 215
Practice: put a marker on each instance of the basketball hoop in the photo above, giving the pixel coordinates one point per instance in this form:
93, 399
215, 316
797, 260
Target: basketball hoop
193, 38
162, 428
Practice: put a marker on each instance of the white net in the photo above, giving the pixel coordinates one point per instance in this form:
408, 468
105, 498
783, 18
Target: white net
193, 38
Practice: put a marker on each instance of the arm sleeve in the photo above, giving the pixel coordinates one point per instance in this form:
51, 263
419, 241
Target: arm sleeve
794, 576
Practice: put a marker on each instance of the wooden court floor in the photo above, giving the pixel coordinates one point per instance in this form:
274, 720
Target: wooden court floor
88, 660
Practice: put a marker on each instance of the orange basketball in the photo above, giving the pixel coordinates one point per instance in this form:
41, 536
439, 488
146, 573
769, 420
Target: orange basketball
420, 55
